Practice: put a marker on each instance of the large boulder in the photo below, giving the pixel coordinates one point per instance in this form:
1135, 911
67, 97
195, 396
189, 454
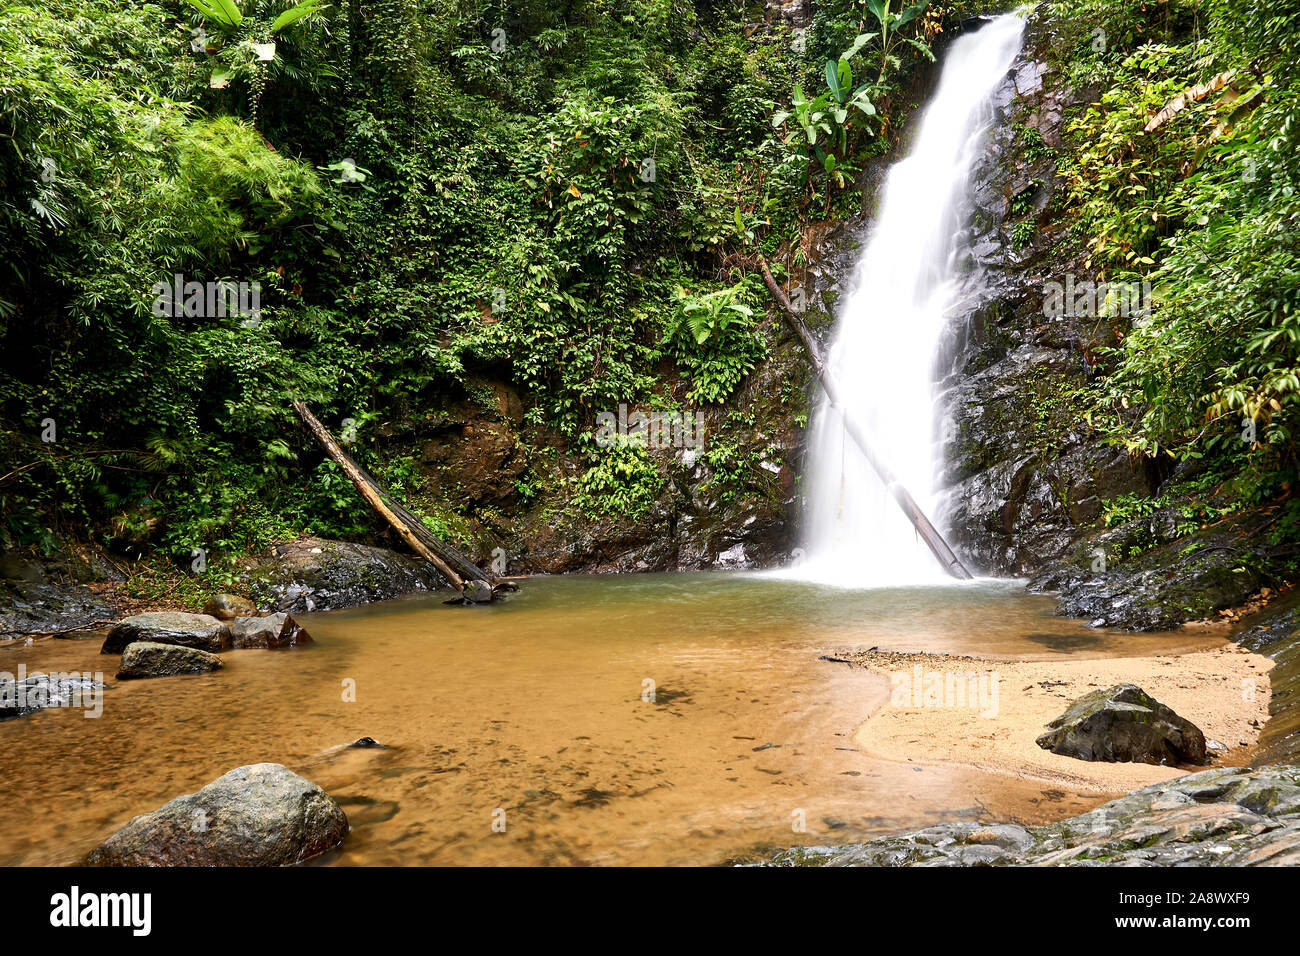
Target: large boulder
314, 574
200, 631
274, 630
259, 815
228, 607
149, 659
1124, 723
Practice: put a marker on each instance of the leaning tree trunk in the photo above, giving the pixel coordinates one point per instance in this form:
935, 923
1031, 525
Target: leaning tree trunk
928, 532
473, 582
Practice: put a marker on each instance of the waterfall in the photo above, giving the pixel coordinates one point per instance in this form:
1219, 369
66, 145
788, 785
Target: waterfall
889, 324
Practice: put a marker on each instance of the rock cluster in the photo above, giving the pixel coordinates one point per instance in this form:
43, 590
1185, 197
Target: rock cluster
1223, 817
167, 643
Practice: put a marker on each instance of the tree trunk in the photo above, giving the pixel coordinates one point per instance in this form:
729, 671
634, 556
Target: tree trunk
473, 582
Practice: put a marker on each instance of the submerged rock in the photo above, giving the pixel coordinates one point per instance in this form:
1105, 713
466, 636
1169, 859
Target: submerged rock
259, 815
314, 574
1124, 723
199, 631
19, 698
274, 630
1222, 817
228, 607
149, 659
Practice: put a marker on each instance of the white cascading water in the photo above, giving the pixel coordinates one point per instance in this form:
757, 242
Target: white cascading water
888, 331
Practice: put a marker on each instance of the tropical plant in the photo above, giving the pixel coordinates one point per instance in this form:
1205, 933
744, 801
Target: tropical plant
228, 17
247, 48
891, 25
827, 121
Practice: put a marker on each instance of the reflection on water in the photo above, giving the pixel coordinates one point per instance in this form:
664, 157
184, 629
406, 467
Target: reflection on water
639, 719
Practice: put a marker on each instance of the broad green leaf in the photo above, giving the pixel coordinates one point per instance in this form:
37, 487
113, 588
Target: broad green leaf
205, 9
912, 12
862, 40
924, 50
294, 14
227, 12
833, 78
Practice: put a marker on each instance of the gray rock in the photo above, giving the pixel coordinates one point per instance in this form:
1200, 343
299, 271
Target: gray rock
259, 815
228, 607
149, 659
21, 697
1223, 817
274, 630
1275, 633
28, 607
314, 574
1124, 723
199, 631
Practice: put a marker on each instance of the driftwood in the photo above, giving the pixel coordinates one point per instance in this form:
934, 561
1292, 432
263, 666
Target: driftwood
473, 582
947, 558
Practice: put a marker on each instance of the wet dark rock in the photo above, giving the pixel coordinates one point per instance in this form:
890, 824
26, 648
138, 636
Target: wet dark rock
1222, 817
1275, 633
1124, 723
1029, 480
1022, 492
199, 631
227, 607
1152, 573
259, 815
17, 567
272, 631
19, 698
315, 574
366, 743
39, 608
144, 659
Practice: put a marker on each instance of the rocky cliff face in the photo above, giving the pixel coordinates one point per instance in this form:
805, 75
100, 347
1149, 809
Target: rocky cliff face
1029, 478
1021, 491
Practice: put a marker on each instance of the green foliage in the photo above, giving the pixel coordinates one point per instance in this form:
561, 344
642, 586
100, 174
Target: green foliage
1126, 508
828, 124
1185, 173
712, 337
623, 483
420, 206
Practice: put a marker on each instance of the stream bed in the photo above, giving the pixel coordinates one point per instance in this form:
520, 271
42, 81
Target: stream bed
641, 719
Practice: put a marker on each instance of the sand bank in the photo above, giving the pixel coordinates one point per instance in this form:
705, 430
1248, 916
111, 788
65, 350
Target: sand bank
1006, 705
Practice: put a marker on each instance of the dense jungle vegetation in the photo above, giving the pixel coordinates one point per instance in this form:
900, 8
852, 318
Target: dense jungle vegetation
569, 196
1183, 172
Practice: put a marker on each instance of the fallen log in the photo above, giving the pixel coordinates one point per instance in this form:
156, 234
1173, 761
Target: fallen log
475, 584
929, 533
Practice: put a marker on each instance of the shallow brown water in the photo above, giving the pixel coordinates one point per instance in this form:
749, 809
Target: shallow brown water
539, 707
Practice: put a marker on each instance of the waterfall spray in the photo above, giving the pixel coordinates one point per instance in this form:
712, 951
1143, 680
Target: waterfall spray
883, 353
